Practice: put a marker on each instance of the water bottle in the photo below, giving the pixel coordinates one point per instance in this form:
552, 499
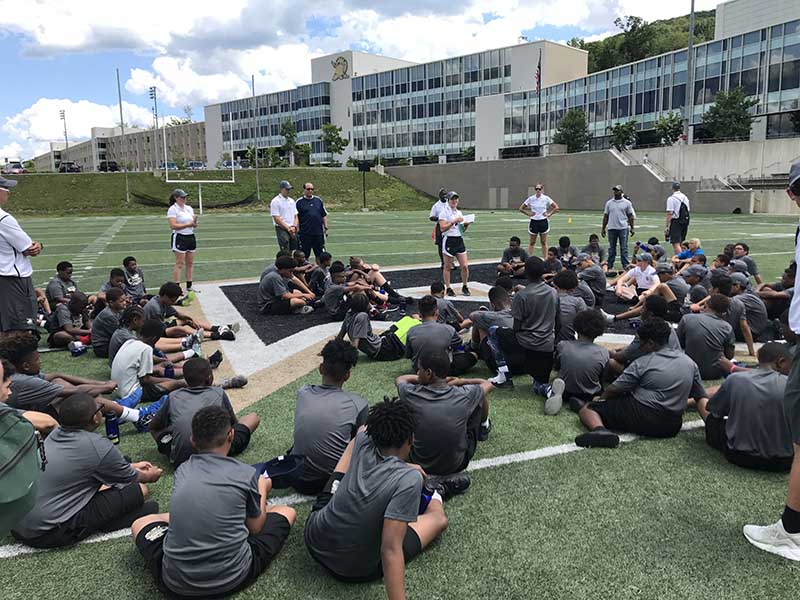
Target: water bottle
424, 500
112, 428
403, 305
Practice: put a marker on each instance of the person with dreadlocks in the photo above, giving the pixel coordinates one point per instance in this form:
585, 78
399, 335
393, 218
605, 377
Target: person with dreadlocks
368, 522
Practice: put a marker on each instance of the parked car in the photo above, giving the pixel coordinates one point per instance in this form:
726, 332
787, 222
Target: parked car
196, 165
108, 166
13, 168
170, 166
68, 166
245, 164
231, 164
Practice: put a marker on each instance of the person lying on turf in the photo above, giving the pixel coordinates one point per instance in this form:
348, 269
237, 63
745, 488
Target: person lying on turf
569, 304
274, 296
326, 417
581, 363
512, 263
70, 322
88, 486
42, 422
220, 533
177, 324
366, 524
433, 336
670, 287
745, 418
452, 414
358, 330
171, 426
649, 397
33, 390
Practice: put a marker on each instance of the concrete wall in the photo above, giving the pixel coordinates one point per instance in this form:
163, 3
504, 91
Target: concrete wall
774, 202
580, 181
740, 16
729, 159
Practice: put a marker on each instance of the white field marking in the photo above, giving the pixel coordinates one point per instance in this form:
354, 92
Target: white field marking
13, 550
480, 292
86, 258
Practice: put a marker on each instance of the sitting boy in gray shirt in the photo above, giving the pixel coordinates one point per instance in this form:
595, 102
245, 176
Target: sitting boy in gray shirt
326, 417
707, 336
219, 534
107, 321
581, 363
745, 417
433, 336
570, 305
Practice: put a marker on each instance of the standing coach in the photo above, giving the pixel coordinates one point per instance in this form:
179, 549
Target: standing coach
283, 211
17, 296
313, 219
677, 217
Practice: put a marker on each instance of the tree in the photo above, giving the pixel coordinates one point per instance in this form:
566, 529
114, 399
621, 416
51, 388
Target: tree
637, 36
250, 155
223, 157
177, 156
331, 137
670, 128
303, 154
623, 135
578, 43
289, 133
273, 158
572, 131
188, 114
729, 116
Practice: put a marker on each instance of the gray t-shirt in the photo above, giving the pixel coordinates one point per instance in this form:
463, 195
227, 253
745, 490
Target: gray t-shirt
680, 288
155, 310
430, 336
178, 410
333, 298
515, 258
58, 289
483, 319
756, 423
664, 380
569, 306
32, 392
103, 327
582, 365
206, 552
755, 312
618, 212
345, 535
584, 292
271, 288
78, 463
752, 267
447, 310
118, 338
358, 326
319, 280
61, 317
536, 309
326, 418
594, 277
598, 254
633, 350
134, 283
444, 415
704, 338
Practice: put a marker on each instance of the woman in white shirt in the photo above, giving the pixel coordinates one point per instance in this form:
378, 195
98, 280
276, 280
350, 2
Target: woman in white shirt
451, 223
539, 208
182, 223
637, 280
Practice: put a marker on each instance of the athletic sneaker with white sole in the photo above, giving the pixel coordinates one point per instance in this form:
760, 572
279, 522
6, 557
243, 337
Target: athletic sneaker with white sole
237, 381
774, 539
552, 406
307, 309
608, 317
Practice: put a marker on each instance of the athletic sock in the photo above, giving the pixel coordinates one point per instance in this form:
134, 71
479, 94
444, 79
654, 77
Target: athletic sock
485, 423
188, 286
187, 354
791, 520
129, 415
437, 496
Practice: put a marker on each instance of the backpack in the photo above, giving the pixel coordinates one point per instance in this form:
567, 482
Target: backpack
21, 462
683, 214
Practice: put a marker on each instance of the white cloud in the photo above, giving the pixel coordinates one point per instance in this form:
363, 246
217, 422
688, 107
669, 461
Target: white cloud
10, 151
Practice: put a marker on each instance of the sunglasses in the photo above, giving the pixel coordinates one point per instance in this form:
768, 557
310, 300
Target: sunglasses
538, 189
309, 189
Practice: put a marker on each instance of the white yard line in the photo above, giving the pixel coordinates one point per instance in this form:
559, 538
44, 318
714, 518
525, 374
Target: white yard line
13, 550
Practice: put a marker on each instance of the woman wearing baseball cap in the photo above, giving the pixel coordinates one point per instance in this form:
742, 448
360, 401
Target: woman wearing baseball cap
182, 223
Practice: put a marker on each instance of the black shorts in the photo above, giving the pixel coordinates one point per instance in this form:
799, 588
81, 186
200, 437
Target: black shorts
677, 232
152, 392
791, 401
264, 548
391, 348
674, 312
109, 510
241, 439
182, 243
453, 245
538, 226
18, 305
717, 438
278, 307
519, 359
625, 413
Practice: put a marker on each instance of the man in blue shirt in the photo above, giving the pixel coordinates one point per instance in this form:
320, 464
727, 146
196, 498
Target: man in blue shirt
313, 221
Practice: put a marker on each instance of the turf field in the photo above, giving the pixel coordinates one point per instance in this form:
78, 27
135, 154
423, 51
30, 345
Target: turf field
652, 519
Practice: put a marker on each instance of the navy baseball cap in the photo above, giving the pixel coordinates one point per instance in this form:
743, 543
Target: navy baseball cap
695, 271
7, 183
285, 185
179, 193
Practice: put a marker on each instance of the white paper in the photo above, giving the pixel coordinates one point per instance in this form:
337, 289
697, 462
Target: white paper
469, 219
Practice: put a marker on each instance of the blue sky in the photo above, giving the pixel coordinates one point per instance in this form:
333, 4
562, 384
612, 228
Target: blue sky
63, 56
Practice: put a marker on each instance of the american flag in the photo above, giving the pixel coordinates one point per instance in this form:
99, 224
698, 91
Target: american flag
539, 74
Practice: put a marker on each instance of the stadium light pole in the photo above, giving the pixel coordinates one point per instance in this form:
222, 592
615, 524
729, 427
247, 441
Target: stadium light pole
255, 137
124, 150
154, 98
689, 108
62, 114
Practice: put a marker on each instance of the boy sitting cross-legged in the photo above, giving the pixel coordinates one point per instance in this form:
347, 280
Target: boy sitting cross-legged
220, 534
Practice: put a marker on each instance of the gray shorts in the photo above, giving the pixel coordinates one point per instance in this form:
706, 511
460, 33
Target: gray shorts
17, 304
286, 241
791, 400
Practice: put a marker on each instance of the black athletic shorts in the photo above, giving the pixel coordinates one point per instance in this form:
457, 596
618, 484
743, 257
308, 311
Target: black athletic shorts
278, 307
391, 348
18, 306
453, 245
152, 392
677, 232
241, 439
182, 243
109, 510
264, 548
791, 401
717, 438
538, 226
625, 413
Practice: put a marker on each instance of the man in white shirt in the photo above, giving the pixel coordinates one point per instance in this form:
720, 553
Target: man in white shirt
17, 295
283, 211
677, 225
539, 208
434, 216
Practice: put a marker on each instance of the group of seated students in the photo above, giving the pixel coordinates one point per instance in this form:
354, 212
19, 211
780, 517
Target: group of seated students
380, 475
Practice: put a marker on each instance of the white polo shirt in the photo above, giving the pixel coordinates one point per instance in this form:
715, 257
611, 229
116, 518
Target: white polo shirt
674, 203
436, 209
13, 242
183, 216
285, 208
539, 205
448, 214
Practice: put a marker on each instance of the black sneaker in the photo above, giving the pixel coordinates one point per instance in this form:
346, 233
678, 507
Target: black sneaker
465, 291
452, 485
598, 438
215, 360
483, 433
450, 292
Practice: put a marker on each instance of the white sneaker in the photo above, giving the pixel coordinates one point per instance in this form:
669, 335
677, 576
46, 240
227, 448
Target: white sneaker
774, 539
235, 327
608, 317
554, 401
306, 309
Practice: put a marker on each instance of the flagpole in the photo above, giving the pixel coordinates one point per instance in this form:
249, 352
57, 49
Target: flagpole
539, 105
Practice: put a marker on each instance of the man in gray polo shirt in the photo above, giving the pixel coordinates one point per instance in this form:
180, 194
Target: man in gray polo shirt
432, 336
69, 504
649, 397
618, 221
706, 337
452, 416
327, 417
